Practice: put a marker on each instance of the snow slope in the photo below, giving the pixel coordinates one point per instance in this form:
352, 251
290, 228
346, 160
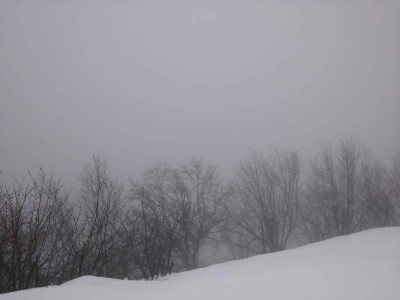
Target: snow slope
361, 266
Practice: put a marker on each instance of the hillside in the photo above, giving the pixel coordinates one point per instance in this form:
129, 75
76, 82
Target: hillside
361, 266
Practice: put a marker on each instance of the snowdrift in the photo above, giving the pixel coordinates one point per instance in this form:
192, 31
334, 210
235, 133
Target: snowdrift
361, 266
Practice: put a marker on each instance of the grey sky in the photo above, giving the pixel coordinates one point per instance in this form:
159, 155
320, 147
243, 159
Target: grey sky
141, 81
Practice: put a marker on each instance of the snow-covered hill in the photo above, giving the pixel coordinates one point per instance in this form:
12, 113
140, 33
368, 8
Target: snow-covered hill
361, 266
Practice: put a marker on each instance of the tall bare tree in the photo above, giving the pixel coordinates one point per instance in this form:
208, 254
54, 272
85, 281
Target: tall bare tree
394, 185
189, 202
200, 197
268, 191
332, 203
30, 231
377, 206
96, 227
347, 191
151, 229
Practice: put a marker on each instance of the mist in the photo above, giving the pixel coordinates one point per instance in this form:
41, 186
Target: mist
143, 81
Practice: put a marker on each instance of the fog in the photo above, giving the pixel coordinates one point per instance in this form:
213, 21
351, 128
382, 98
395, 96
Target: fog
143, 81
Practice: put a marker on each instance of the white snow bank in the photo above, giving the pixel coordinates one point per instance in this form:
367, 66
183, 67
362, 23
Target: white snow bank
361, 266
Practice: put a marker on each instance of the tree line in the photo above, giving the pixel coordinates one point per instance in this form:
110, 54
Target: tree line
163, 223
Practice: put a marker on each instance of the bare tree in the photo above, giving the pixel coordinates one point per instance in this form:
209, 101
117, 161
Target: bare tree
184, 207
30, 231
96, 242
374, 189
267, 189
347, 191
394, 186
199, 197
151, 229
331, 192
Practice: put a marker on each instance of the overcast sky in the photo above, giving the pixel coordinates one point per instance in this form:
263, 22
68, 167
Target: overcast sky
142, 81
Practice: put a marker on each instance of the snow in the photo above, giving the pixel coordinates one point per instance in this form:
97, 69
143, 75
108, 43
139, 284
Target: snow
362, 266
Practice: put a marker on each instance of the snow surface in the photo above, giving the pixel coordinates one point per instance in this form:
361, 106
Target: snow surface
361, 266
